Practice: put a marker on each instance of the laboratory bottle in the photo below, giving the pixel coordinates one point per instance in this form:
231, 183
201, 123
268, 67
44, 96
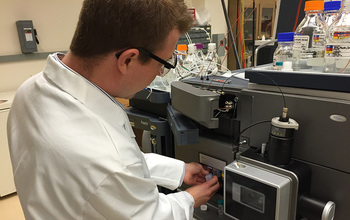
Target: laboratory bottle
200, 59
331, 12
190, 62
212, 58
181, 53
337, 57
284, 50
199, 52
309, 39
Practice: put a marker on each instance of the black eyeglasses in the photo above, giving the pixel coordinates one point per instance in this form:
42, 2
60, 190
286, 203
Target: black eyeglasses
167, 65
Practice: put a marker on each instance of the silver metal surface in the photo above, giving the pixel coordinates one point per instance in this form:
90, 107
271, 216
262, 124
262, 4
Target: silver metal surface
294, 180
281, 183
328, 211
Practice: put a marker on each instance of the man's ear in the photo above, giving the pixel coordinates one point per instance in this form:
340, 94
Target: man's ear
127, 59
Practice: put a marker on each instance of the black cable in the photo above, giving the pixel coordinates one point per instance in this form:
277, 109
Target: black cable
252, 125
257, 123
274, 82
236, 150
284, 100
260, 122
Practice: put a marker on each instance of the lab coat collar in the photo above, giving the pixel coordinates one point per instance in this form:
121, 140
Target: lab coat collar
86, 92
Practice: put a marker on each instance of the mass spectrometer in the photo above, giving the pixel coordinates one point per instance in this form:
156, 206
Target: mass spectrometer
272, 164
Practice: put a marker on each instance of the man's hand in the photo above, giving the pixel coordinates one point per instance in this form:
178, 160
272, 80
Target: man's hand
194, 174
203, 192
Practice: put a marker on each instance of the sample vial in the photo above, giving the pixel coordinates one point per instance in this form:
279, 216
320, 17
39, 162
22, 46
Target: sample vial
220, 207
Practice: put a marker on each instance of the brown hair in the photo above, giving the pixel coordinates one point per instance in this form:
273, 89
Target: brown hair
110, 25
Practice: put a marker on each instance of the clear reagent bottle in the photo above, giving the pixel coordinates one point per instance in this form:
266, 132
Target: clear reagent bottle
337, 56
181, 53
190, 62
200, 59
331, 12
199, 51
310, 39
212, 59
284, 50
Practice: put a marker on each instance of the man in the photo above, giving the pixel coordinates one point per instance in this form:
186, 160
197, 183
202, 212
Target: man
73, 152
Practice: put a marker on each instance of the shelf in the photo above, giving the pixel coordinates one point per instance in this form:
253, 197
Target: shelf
308, 80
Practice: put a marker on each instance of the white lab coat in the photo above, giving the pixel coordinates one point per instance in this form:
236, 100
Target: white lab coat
74, 155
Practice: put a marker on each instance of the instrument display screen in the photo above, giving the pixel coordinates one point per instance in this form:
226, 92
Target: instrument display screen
251, 192
253, 199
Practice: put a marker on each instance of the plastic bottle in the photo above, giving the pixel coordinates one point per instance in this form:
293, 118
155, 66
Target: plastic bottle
199, 51
213, 58
284, 50
331, 12
200, 59
181, 53
220, 207
190, 62
337, 55
309, 39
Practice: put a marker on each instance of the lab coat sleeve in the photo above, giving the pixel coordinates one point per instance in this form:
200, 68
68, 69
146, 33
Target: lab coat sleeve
122, 195
165, 171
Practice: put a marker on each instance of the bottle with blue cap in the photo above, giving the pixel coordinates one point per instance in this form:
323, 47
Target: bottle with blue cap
331, 12
284, 50
337, 56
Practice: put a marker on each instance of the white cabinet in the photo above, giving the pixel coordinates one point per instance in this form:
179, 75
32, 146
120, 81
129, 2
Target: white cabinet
7, 185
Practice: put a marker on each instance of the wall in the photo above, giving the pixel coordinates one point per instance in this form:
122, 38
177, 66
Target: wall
55, 22
216, 11
218, 22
